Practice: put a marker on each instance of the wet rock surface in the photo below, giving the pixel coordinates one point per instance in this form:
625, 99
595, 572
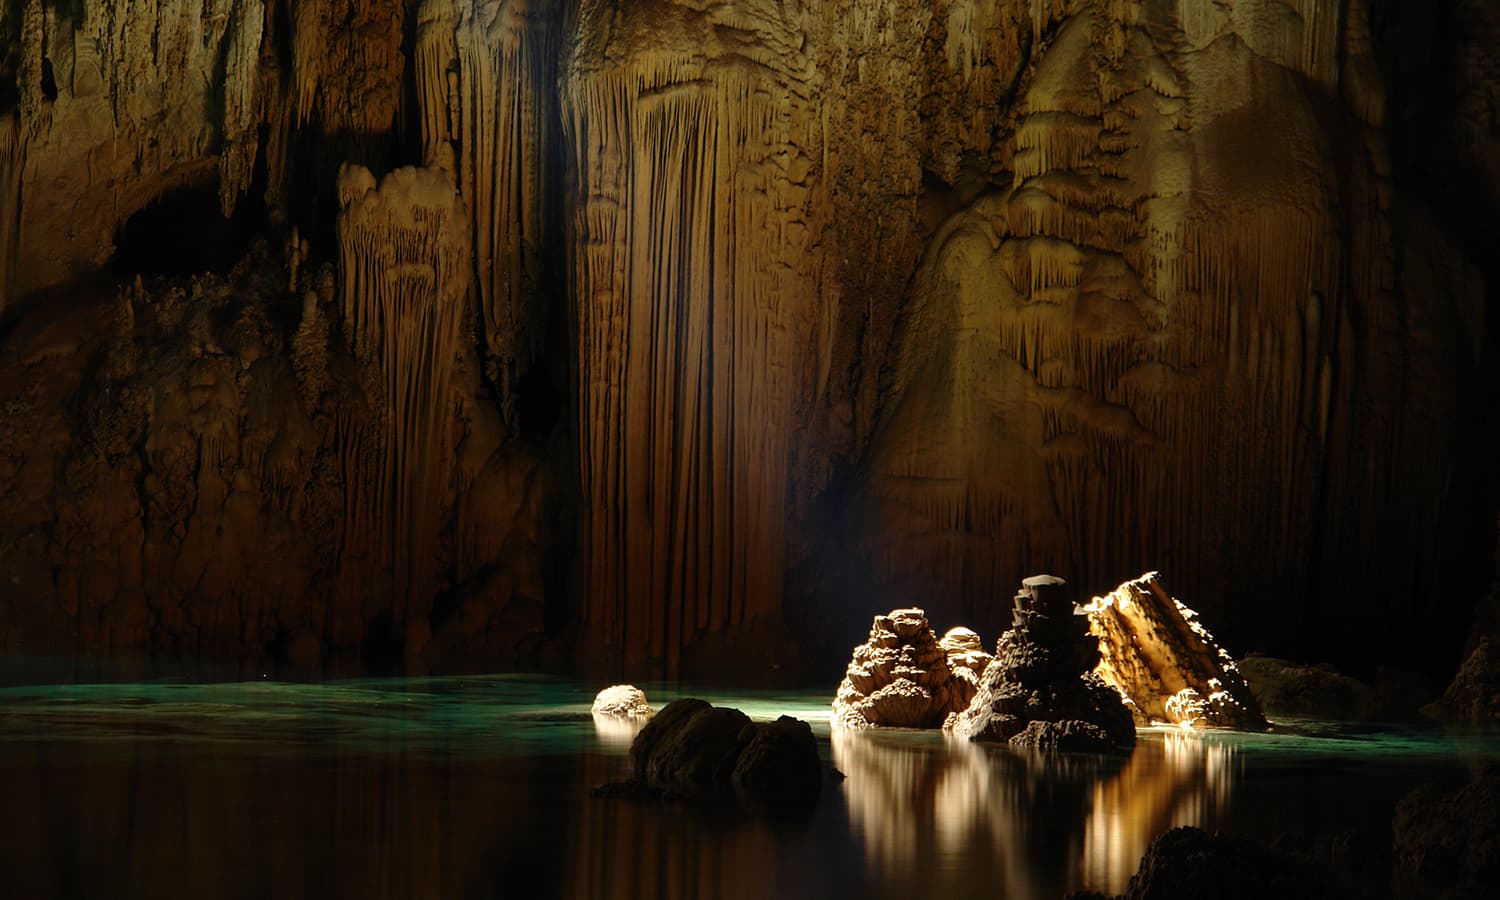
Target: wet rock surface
1040, 690
700, 754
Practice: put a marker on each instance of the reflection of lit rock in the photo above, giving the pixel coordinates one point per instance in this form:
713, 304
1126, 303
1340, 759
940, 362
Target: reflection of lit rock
625, 700
1039, 690
1156, 653
1030, 824
1181, 779
617, 731
901, 676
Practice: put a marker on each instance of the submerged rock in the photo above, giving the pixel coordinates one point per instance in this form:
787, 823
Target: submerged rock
1191, 864
1166, 664
696, 752
779, 769
622, 700
1451, 837
902, 675
1040, 690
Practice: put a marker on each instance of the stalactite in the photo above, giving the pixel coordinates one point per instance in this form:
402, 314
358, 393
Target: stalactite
435, 63
505, 120
404, 273
693, 314
240, 141
12, 161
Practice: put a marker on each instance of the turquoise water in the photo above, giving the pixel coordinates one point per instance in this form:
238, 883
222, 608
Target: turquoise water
478, 787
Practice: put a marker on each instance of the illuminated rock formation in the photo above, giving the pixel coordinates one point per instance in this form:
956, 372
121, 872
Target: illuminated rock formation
404, 277
967, 657
1165, 663
625, 700
1040, 691
901, 676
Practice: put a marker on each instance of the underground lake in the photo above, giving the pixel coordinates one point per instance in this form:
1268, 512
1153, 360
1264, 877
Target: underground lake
478, 786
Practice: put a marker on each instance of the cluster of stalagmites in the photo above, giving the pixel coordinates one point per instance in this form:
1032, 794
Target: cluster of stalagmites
1062, 677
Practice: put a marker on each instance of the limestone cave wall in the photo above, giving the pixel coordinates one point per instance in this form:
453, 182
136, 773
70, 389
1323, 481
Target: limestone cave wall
676, 336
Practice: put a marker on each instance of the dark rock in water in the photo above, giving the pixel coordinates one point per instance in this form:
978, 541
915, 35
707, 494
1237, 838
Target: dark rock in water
697, 752
698, 756
667, 722
1451, 838
1474, 695
1190, 864
779, 769
1069, 735
1040, 690
1284, 687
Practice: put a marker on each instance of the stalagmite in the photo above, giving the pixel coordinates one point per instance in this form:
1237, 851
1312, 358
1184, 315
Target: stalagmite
1039, 691
1165, 663
901, 676
404, 280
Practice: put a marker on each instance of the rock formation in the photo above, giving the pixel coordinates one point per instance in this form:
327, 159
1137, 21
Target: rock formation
902, 676
1040, 690
1474, 694
1285, 688
1165, 663
1189, 862
967, 657
697, 752
800, 300
691, 135
1451, 837
624, 700
404, 275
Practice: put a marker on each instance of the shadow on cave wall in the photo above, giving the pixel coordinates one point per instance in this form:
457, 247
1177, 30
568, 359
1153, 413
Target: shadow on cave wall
184, 232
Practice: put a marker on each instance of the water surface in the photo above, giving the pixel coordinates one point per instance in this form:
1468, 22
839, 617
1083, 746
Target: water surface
478, 787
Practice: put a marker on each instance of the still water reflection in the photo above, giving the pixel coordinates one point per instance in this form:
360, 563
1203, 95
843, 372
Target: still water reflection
935, 814
478, 787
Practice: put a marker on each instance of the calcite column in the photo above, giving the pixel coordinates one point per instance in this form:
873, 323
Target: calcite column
404, 280
693, 306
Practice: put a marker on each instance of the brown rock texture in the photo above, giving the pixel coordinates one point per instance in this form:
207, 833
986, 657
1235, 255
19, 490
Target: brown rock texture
696, 752
793, 301
1165, 663
1041, 691
901, 677
1474, 694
